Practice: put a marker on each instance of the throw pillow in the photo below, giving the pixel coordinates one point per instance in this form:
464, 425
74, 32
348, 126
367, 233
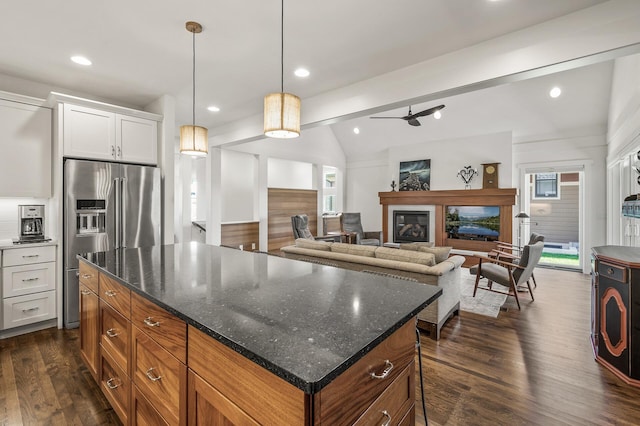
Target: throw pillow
313, 244
415, 246
440, 253
355, 249
410, 256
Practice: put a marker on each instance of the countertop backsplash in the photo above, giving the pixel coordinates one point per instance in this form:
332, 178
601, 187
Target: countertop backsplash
9, 226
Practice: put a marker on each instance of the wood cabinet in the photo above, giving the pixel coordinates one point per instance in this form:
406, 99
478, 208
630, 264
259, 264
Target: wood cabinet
616, 310
25, 139
94, 133
154, 369
28, 285
89, 334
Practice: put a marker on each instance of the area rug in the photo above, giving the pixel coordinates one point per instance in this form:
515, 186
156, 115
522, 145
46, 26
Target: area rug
485, 303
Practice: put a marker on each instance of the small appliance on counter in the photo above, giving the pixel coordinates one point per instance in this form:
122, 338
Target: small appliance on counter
31, 219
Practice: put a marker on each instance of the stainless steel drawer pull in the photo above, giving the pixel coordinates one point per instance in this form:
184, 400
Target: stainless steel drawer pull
112, 332
113, 383
151, 376
388, 367
30, 279
388, 418
85, 292
150, 322
110, 293
610, 271
24, 311
30, 256
87, 276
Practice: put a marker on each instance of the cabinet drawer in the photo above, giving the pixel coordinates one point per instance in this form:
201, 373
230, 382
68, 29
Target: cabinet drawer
167, 329
613, 272
116, 386
262, 395
28, 279
28, 255
394, 403
22, 310
115, 331
160, 377
338, 404
116, 295
142, 412
88, 276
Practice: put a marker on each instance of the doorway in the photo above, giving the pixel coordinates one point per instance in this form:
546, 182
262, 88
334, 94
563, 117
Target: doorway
554, 205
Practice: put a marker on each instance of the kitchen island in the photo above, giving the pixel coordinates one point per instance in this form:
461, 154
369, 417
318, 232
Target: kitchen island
247, 338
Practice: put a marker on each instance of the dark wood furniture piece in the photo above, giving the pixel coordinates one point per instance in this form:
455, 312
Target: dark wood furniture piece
615, 310
171, 343
503, 197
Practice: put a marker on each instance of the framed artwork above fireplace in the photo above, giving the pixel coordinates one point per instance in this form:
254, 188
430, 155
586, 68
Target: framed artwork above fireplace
415, 175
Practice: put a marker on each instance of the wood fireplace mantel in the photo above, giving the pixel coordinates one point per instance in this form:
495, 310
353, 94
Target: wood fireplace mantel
503, 197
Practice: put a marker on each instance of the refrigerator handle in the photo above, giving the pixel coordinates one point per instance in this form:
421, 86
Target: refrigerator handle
123, 209
116, 185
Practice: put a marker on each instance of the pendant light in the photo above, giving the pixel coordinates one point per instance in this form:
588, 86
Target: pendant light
281, 110
193, 139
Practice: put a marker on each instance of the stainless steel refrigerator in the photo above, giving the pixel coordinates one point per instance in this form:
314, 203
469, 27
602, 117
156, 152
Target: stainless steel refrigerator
106, 206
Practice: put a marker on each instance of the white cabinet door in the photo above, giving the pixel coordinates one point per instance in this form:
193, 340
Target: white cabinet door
89, 133
136, 140
25, 150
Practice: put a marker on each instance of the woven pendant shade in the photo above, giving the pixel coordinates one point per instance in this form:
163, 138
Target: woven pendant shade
281, 115
193, 140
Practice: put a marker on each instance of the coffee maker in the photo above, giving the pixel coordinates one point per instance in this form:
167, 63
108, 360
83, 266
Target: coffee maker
31, 224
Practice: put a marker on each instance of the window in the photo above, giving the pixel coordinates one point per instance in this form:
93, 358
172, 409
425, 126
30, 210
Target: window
546, 186
330, 189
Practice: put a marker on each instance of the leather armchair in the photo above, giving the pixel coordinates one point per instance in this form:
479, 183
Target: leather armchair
350, 222
300, 226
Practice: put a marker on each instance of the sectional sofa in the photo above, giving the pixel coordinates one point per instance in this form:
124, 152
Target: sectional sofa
420, 262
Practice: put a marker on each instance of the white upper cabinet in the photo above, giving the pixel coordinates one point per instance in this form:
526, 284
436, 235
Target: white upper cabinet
89, 133
136, 139
104, 135
25, 150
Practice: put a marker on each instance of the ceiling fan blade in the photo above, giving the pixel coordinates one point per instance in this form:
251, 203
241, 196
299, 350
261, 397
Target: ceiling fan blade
387, 117
428, 111
413, 122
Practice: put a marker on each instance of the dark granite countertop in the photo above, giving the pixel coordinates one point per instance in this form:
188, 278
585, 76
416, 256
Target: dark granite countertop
304, 322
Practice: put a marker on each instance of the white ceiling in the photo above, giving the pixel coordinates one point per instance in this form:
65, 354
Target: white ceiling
141, 51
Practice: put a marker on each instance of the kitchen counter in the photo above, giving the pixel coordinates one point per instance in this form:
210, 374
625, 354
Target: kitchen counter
305, 323
8, 244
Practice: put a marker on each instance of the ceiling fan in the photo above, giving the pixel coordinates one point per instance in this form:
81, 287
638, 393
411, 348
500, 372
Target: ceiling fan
412, 119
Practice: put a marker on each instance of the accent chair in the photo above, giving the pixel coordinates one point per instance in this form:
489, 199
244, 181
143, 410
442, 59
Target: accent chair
351, 223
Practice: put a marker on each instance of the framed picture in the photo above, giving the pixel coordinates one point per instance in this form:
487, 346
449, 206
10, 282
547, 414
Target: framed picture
415, 175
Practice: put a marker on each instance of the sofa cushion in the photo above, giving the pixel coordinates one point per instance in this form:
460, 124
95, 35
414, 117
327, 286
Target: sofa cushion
410, 256
415, 246
355, 249
313, 244
441, 253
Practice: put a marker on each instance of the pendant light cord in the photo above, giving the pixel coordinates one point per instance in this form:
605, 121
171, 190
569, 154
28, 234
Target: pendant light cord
193, 106
282, 46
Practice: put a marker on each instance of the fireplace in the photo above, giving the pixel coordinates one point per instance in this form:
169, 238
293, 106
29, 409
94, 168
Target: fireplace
410, 226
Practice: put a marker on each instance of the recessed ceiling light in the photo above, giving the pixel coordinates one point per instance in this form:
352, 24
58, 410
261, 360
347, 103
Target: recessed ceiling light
301, 72
437, 115
555, 92
213, 108
356, 130
81, 60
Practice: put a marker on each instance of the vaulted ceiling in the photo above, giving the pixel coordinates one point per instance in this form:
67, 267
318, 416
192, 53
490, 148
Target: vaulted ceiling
141, 50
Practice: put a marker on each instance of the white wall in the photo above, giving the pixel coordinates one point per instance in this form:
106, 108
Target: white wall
290, 174
238, 186
624, 108
365, 178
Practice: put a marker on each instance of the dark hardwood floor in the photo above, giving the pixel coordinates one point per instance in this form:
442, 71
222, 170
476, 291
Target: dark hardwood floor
529, 367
